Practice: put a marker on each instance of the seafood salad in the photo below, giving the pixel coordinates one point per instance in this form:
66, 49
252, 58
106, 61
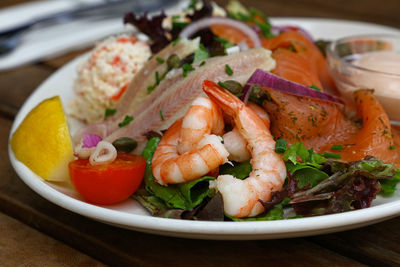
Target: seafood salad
227, 117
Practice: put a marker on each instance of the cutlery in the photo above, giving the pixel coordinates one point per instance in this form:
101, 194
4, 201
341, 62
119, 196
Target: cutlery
12, 37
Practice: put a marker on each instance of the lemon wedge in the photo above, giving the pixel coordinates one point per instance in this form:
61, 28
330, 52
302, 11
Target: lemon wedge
42, 141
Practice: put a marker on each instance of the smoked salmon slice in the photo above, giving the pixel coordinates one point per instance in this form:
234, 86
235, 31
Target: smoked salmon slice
299, 43
319, 125
295, 67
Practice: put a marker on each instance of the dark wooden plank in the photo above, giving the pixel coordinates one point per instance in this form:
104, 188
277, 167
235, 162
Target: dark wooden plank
381, 12
376, 245
20, 245
17, 84
116, 246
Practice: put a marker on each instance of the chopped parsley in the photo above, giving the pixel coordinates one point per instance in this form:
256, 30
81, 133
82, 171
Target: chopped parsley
336, 147
224, 42
186, 68
151, 88
126, 121
222, 85
256, 17
280, 146
331, 155
202, 63
160, 60
109, 112
174, 42
315, 87
392, 147
157, 78
192, 4
161, 115
228, 70
179, 24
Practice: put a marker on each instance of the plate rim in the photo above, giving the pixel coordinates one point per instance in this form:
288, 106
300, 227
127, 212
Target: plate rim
197, 229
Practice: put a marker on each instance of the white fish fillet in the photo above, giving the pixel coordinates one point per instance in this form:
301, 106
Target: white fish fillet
175, 93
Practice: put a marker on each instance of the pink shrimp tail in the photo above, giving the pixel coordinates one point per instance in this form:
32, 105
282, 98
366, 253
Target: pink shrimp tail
229, 103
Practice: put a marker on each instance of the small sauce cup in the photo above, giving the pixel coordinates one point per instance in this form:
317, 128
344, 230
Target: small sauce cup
381, 72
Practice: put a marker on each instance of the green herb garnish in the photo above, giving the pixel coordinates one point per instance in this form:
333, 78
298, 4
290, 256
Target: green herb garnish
331, 155
392, 147
150, 88
200, 54
224, 42
186, 68
160, 60
315, 87
202, 63
161, 115
336, 147
280, 146
222, 85
174, 42
192, 4
228, 70
126, 121
179, 24
109, 112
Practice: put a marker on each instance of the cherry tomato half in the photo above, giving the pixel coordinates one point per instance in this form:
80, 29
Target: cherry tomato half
108, 183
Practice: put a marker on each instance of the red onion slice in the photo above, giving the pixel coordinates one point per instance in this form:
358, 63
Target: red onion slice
99, 129
90, 140
268, 80
198, 25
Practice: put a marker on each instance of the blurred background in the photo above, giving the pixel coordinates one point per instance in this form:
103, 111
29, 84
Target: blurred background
50, 38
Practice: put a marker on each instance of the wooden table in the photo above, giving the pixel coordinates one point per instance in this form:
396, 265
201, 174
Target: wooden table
70, 239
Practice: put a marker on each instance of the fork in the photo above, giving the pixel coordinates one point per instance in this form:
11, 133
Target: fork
11, 38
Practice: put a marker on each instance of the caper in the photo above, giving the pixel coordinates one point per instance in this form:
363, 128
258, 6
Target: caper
173, 61
125, 144
233, 86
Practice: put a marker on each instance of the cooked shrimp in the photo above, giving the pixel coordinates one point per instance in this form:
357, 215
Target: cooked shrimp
187, 151
170, 167
241, 197
234, 141
203, 117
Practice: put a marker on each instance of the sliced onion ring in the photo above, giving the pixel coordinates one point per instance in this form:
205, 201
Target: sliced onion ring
198, 25
268, 80
104, 153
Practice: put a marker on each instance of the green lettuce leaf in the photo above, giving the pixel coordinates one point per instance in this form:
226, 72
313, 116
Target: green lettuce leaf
306, 175
389, 185
196, 191
200, 54
183, 196
238, 170
171, 195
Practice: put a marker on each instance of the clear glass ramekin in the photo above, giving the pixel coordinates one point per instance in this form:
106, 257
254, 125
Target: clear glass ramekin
342, 56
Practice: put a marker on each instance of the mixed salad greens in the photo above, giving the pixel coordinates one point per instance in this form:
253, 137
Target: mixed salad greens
316, 185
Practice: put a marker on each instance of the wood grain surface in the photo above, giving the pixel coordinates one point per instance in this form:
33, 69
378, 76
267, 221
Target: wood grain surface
373, 245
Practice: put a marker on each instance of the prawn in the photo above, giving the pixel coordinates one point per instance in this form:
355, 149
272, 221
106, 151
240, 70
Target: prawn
188, 150
234, 141
203, 117
242, 197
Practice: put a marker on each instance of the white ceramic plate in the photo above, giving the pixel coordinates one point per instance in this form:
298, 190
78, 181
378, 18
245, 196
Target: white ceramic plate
131, 215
